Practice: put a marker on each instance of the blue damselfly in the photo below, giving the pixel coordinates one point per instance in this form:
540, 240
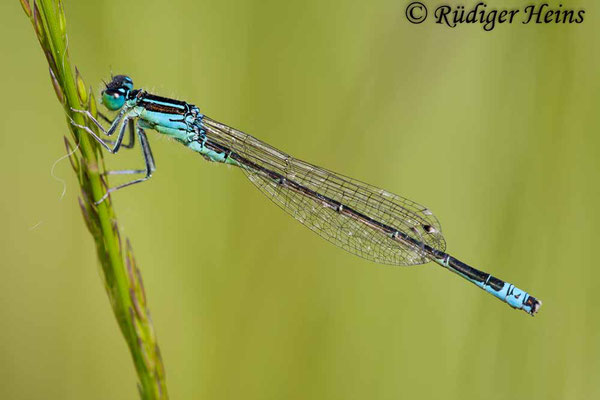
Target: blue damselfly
361, 219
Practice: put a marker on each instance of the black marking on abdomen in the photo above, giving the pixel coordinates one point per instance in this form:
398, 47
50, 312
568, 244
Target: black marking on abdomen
395, 234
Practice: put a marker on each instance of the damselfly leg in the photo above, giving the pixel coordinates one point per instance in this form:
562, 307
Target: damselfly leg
124, 119
112, 142
148, 160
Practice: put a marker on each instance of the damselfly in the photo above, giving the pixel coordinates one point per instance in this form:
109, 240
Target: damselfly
359, 218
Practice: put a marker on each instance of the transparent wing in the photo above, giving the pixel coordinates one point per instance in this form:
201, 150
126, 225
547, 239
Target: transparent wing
351, 214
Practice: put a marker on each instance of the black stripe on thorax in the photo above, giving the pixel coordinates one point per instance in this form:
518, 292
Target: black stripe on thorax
163, 104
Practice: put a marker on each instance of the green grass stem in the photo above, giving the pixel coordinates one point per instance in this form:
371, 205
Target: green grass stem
121, 275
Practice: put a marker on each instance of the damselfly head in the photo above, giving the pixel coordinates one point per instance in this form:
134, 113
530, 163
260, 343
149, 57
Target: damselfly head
113, 97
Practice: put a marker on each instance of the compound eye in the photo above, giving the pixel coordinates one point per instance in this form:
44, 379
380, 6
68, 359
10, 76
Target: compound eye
113, 99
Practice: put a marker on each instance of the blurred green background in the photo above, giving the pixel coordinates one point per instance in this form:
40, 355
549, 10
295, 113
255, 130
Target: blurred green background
496, 132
